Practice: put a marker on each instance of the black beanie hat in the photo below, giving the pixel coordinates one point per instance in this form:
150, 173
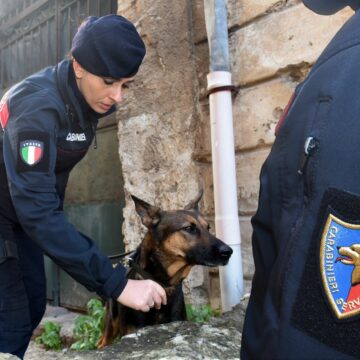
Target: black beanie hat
328, 7
108, 46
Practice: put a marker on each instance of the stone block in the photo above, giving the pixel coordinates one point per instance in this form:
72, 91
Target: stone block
157, 167
248, 166
214, 290
196, 276
6, 356
198, 21
202, 150
256, 111
269, 46
239, 12
246, 247
201, 62
167, 68
245, 11
247, 287
207, 182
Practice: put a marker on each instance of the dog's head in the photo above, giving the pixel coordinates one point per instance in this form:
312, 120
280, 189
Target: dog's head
183, 235
350, 255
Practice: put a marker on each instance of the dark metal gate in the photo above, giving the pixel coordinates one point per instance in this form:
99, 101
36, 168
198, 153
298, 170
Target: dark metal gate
38, 33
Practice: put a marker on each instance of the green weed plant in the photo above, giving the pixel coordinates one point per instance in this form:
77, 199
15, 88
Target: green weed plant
50, 337
200, 314
88, 328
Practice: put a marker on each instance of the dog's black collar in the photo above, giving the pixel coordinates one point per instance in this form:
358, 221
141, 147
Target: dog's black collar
135, 267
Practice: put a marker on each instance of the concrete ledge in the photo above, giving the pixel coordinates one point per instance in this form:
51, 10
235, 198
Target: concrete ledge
218, 339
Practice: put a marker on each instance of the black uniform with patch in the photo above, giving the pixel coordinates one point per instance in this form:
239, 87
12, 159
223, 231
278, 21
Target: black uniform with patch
289, 316
46, 115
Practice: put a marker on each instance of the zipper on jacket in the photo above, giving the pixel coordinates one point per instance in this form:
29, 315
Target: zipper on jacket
310, 146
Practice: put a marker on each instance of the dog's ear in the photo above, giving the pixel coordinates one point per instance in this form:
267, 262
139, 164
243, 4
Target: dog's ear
194, 204
150, 215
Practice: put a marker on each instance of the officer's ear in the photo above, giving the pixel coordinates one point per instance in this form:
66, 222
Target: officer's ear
78, 69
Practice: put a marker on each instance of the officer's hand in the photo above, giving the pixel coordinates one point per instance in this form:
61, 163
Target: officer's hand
142, 295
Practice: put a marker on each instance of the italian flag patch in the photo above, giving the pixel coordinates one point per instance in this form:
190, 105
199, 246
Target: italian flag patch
31, 151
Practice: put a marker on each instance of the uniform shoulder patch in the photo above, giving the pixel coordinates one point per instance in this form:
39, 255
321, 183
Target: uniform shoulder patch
284, 114
33, 151
4, 112
340, 267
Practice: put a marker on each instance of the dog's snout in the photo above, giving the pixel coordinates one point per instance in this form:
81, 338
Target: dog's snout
225, 251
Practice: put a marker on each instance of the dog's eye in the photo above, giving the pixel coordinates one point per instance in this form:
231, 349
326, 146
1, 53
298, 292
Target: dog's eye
192, 229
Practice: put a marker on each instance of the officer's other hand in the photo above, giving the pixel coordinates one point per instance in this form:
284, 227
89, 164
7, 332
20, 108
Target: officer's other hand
142, 295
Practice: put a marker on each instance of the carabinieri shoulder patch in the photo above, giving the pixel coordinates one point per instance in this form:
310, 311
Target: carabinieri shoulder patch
340, 267
31, 151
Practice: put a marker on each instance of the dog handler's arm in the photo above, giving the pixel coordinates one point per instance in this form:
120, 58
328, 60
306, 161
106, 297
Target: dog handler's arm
142, 295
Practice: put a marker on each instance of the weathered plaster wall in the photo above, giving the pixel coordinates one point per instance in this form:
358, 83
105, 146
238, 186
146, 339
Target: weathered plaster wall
273, 45
164, 128
157, 123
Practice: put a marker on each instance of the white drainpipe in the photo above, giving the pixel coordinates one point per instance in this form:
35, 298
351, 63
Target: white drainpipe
223, 151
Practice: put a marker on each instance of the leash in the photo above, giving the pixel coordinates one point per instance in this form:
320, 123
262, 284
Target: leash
120, 256
132, 265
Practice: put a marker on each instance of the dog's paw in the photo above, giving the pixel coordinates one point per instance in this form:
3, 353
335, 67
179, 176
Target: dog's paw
102, 343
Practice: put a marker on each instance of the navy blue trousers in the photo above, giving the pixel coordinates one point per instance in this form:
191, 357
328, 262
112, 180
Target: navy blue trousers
22, 295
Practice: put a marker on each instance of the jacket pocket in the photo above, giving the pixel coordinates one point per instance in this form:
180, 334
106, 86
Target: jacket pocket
313, 143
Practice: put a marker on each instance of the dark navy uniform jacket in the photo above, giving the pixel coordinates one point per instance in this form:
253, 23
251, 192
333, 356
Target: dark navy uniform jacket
43, 135
305, 299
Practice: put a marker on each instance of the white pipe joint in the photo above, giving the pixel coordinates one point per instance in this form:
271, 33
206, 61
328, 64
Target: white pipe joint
225, 190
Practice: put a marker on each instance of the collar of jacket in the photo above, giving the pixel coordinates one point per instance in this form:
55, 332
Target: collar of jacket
72, 105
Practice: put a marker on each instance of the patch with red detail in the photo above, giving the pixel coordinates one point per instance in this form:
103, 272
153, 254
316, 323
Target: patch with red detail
4, 112
340, 266
285, 112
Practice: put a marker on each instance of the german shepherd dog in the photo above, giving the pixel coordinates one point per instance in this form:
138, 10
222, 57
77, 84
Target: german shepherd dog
174, 243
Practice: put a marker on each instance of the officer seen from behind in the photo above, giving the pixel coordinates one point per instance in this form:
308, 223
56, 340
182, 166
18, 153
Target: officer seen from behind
305, 298
48, 122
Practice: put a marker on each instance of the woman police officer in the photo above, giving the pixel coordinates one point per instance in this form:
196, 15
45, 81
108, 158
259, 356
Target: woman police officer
48, 122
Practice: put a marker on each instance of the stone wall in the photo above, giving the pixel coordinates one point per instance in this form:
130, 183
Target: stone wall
157, 122
164, 130
273, 45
